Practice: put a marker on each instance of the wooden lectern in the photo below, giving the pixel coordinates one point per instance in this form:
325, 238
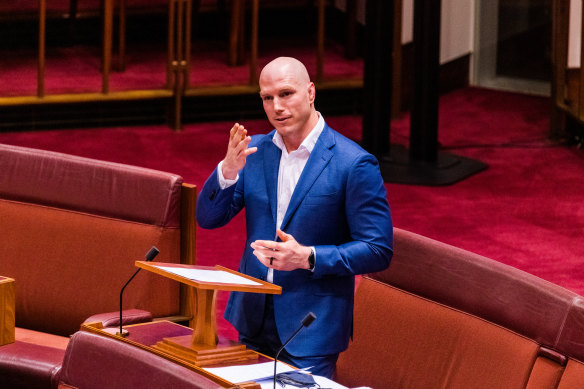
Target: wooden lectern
203, 347
7, 316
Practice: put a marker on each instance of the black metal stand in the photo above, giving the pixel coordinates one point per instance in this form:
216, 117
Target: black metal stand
398, 167
424, 164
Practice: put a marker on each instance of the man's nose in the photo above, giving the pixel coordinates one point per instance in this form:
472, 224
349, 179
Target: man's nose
277, 105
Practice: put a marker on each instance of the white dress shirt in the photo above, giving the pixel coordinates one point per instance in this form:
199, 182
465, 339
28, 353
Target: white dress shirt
291, 166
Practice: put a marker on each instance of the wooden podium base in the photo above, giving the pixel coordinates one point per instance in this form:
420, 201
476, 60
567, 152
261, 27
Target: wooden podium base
201, 348
204, 355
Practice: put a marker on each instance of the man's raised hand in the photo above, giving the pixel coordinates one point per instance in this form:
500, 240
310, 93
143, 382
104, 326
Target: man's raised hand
237, 151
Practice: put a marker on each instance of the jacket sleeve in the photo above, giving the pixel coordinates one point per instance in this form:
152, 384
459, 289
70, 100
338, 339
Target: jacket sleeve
216, 206
370, 247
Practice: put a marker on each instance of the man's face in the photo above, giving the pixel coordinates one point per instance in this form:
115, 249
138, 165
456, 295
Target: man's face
287, 102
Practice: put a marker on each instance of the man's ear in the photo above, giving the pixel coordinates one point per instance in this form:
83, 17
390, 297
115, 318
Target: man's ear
311, 92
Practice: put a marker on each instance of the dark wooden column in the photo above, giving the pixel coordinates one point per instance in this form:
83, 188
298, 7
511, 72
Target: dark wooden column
423, 164
377, 76
424, 116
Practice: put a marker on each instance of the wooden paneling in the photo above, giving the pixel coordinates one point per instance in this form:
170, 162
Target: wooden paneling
6, 310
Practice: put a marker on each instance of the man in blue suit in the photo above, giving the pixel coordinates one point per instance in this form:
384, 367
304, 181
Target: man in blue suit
316, 215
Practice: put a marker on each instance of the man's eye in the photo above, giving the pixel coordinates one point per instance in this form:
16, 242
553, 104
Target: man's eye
267, 98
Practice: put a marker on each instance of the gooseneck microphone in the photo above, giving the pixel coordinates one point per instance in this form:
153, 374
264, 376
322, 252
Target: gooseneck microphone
308, 319
150, 255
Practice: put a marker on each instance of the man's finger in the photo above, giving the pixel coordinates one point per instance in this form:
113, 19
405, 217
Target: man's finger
251, 150
284, 236
233, 130
264, 245
237, 133
244, 142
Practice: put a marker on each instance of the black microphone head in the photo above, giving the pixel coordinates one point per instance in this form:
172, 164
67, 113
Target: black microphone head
152, 253
308, 319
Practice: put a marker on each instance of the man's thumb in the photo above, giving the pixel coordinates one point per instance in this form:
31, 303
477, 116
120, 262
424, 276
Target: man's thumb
284, 236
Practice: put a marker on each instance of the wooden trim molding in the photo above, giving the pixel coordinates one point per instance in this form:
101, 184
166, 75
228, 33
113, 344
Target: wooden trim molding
7, 310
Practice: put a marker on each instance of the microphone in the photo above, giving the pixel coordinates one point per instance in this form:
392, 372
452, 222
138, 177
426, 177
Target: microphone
308, 319
150, 255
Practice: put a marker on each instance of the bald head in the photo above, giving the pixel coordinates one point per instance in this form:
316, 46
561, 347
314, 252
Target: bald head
288, 67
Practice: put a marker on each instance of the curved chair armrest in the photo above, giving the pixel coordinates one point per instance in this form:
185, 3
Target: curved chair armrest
129, 316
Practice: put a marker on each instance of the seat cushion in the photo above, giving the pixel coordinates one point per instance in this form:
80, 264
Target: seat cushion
41, 338
573, 376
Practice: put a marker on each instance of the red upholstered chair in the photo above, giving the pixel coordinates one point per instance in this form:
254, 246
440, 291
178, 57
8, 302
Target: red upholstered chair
440, 316
94, 361
72, 229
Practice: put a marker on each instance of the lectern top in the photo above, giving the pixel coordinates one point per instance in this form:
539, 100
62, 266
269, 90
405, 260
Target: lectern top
210, 277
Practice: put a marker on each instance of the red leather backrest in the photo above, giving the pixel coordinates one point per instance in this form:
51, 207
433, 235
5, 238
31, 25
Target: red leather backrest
549, 314
86, 185
401, 340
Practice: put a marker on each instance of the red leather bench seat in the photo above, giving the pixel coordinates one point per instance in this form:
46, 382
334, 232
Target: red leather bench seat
72, 229
440, 316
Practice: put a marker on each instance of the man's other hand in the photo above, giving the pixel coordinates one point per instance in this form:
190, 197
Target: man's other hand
286, 255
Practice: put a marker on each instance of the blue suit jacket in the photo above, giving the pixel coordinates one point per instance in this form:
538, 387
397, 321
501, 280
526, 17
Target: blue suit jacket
339, 206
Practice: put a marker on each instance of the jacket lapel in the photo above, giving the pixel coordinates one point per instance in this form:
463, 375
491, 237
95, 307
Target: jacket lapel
272, 155
319, 158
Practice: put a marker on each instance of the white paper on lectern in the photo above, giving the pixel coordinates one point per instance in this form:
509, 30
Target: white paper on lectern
323, 382
219, 276
244, 373
263, 374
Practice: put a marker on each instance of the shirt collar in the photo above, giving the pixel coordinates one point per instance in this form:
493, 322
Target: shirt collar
309, 142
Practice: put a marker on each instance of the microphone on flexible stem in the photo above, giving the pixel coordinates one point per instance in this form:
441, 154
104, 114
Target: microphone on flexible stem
308, 319
150, 255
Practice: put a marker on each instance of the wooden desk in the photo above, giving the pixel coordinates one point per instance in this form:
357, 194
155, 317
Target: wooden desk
7, 316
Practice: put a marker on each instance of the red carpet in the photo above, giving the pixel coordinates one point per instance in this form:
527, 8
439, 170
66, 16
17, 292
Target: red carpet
525, 210
76, 69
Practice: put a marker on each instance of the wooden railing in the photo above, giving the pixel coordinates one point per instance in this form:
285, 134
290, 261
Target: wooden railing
567, 79
178, 68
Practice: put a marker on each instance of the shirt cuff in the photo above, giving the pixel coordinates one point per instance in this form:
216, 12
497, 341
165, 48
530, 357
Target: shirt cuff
224, 182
